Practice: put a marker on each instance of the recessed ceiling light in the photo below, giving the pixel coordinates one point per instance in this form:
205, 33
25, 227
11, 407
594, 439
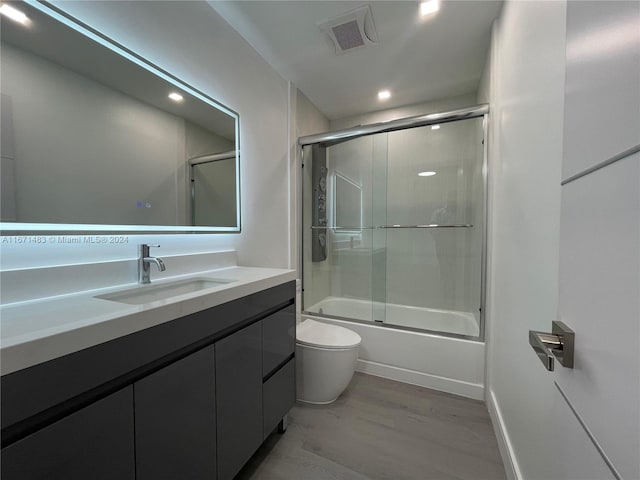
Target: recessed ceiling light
435, 127
176, 97
428, 7
384, 94
426, 174
14, 14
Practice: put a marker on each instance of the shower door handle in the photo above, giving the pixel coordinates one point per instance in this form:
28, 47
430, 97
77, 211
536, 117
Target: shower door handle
557, 345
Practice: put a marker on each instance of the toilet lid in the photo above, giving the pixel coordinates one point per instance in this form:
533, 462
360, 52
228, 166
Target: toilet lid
318, 334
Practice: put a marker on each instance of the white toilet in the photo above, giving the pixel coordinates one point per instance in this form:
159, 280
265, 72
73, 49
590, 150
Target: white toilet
326, 358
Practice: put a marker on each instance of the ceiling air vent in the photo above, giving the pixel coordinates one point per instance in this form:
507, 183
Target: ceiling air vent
351, 30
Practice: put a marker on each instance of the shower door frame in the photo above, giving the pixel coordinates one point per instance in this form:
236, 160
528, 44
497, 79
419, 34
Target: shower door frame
332, 138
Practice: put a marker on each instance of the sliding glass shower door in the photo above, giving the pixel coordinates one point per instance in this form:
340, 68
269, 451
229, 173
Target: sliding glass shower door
396, 236
343, 254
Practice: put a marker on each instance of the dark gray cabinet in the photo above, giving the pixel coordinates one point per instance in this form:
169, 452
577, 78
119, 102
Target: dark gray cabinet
238, 398
194, 398
95, 442
175, 420
255, 387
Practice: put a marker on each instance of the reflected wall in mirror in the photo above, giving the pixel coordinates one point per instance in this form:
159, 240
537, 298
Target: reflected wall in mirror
95, 137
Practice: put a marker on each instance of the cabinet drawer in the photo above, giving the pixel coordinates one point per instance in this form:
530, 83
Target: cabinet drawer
278, 338
278, 396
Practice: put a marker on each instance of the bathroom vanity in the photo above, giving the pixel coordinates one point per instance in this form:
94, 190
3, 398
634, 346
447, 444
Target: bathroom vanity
192, 396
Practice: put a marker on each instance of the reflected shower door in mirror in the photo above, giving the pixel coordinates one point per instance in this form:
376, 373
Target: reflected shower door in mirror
212, 189
93, 136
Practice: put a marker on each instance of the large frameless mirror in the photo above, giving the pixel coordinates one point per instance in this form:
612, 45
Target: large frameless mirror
96, 138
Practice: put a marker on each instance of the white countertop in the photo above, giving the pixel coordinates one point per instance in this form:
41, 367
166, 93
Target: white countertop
40, 330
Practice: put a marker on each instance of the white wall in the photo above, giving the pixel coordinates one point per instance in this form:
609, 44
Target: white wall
193, 42
527, 93
484, 87
385, 115
309, 119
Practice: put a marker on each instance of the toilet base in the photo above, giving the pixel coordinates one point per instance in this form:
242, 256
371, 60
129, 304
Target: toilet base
307, 402
323, 374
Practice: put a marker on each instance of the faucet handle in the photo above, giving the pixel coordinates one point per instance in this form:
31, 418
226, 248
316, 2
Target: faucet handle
143, 248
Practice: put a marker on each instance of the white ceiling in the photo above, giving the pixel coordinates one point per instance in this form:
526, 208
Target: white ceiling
418, 59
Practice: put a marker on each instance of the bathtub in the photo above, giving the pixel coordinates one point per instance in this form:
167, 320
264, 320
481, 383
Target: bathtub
428, 359
431, 319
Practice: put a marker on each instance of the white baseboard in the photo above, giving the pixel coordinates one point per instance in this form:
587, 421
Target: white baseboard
465, 389
504, 443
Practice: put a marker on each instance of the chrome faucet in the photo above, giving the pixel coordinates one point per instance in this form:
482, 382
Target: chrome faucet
144, 263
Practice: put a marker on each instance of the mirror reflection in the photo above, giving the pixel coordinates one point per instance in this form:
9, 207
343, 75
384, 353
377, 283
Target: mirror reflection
347, 202
90, 137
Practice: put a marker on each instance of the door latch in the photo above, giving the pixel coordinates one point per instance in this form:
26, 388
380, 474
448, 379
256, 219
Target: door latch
557, 345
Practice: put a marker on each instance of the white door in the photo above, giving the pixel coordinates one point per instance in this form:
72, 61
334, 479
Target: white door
597, 413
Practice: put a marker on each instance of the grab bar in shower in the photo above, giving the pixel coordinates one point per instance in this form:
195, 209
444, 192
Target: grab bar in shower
325, 227
431, 225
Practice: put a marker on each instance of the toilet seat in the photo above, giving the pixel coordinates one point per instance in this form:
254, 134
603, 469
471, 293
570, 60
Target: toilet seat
323, 335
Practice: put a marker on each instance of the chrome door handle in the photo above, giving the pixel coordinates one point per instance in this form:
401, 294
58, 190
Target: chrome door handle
559, 344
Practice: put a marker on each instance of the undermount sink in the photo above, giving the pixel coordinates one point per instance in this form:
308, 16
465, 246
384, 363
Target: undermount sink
152, 293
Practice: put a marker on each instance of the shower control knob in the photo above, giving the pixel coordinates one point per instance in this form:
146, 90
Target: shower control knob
323, 184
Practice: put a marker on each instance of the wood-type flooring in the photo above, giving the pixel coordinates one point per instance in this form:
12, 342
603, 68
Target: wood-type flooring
380, 429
